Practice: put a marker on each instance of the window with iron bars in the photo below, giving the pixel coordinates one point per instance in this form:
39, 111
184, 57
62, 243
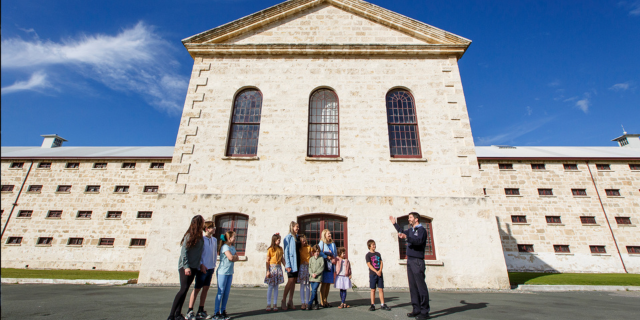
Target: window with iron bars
151, 189
121, 189
75, 241
545, 192
16, 165
54, 214
634, 166
633, 249
44, 165
73, 165
597, 249
402, 122
114, 214
63, 189
512, 191
35, 188
138, 242
612, 192
561, 248
106, 241
570, 166
92, 189
324, 124
588, 220
84, 214
128, 165
157, 165
623, 220
99, 165
7, 188
525, 248
144, 214
553, 219
579, 192
505, 166
14, 240
603, 167
537, 166
245, 124
25, 213
519, 219
45, 240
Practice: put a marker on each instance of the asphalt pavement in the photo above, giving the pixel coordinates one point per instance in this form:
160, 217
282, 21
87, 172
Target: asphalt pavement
50, 301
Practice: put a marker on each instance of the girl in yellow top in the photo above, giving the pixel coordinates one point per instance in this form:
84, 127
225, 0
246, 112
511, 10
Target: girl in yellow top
303, 271
274, 271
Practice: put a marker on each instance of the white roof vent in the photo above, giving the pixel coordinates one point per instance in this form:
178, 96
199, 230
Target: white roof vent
504, 147
628, 140
52, 141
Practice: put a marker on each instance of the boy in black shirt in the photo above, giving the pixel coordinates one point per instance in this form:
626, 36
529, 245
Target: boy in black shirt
374, 262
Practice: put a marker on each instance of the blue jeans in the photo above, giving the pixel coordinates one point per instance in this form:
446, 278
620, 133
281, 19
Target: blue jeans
314, 292
224, 286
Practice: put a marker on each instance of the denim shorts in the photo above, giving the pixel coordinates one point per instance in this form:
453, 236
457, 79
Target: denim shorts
203, 279
375, 280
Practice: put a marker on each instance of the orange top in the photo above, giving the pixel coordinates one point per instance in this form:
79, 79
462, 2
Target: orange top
305, 254
275, 255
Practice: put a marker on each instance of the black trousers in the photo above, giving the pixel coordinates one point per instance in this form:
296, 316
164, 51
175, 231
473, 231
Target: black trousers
185, 283
417, 286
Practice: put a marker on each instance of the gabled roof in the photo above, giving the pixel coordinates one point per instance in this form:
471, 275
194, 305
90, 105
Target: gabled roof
437, 41
87, 152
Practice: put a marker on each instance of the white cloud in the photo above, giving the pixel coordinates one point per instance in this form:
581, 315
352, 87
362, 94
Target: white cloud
38, 80
583, 104
514, 132
570, 99
621, 86
633, 7
554, 83
529, 110
136, 61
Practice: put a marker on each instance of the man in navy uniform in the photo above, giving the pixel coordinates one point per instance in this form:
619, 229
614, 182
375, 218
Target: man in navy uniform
416, 238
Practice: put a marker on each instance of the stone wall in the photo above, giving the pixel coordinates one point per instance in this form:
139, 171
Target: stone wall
543, 236
59, 255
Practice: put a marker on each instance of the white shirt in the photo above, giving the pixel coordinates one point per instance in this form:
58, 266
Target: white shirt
209, 255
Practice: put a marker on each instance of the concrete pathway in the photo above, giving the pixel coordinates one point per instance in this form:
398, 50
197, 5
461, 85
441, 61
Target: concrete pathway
133, 302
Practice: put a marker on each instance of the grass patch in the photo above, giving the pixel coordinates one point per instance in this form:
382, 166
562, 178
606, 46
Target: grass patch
69, 274
587, 279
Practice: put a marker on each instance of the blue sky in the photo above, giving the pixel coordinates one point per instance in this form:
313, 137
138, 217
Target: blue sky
108, 73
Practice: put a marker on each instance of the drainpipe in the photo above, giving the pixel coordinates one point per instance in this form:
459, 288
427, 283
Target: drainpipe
606, 218
15, 203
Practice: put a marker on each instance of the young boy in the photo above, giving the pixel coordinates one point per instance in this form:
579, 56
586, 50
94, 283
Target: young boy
374, 262
316, 268
203, 279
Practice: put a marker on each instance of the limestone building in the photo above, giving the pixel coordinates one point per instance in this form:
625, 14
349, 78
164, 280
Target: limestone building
335, 114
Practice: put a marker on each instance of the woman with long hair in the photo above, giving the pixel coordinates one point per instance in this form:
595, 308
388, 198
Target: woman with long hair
292, 263
188, 263
328, 252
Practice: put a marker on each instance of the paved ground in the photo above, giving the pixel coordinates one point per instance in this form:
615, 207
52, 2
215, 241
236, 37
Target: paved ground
130, 302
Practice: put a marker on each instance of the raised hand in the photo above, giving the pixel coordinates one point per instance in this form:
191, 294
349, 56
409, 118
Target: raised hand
392, 219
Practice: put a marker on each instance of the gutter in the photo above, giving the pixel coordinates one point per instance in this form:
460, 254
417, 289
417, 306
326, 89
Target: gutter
15, 203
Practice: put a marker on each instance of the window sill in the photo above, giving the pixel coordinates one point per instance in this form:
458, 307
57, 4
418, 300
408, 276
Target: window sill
127, 168
98, 168
43, 168
408, 160
615, 196
99, 246
573, 171
581, 196
530, 253
16, 168
43, 245
74, 245
605, 170
33, 192
635, 170
137, 247
334, 159
71, 168
63, 192
113, 218
507, 169
53, 218
637, 255
149, 192
556, 224
241, 158
626, 226
520, 223
513, 196
83, 218
143, 218
539, 170
13, 244
590, 225
91, 192
23, 217
156, 169
547, 196
120, 192
437, 263
7, 192
564, 253
601, 254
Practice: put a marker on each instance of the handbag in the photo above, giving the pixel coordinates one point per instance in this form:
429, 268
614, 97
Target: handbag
327, 262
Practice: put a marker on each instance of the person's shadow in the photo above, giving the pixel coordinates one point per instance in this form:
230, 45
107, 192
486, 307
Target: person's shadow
464, 307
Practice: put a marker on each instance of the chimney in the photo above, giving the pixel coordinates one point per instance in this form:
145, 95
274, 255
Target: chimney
52, 141
628, 140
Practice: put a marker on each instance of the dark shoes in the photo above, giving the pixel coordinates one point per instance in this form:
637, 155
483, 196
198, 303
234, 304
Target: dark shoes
385, 307
372, 308
413, 315
316, 307
422, 317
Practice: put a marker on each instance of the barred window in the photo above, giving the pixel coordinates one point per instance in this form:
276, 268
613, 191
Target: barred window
634, 166
245, 124
99, 165
35, 188
603, 167
588, 220
570, 166
16, 165
45, 240
144, 214
525, 248
537, 166
44, 165
312, 225
324, 124
63, 189
84, 214
138, 242
505, 166
106, 241
402, 121
25, 213
92, 189
579, 192
553, 219
114, 214
14, 240
7, 187
121, 189
519, 219
236, 222
75, 241
545, 192
157, 165
561, 248
512, 191
57, 214
633, 249
598, 249
128, 165
612, 192
151, 189
623, 220
73, 165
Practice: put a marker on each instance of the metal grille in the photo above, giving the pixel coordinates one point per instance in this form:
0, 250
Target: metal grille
138, 242
237, 223
404, 140
44, 165
324, 124
603, 167
588, 220
157, 165
54, 214
144, 214
16, 165
64, 189
429, 252
122, 189
45, 240
613, 192
25, 213
525, 248
553, 219
579, 192
14, 240
106, 241
245, 124
561, 248
519, 219
92, 189
634, 166
128, 165
114, 214
84, 214
598, 249
505, 166
75, 241
100, 165
623, 220
35, 188
151, 189
7, 187
312, 226
512, 191
633, 249
73, 165
570, 166
537, 166
545, 192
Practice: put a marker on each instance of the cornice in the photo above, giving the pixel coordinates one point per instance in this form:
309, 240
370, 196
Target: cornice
325, 49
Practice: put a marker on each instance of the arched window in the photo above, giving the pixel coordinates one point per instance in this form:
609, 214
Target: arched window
404, 140
324, 126
235, 222
430, 250
312, 226
245, 124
